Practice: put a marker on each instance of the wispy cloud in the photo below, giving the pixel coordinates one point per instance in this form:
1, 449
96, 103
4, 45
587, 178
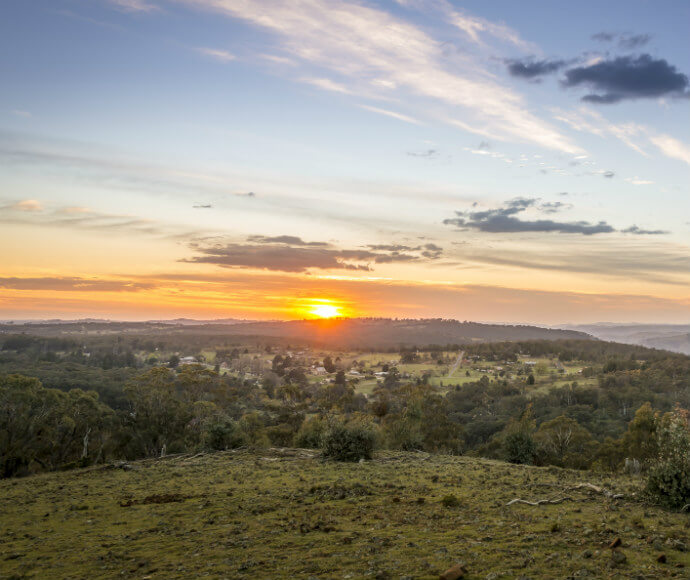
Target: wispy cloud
426, 154
217, 54
293, 254
533, 69
637, 181
374, 51
22, 113
630, 258
25, 205
626, 40
327, 85
134, 5
642, 232
73, 284
392, 114
672, 147
587, 120
33, 212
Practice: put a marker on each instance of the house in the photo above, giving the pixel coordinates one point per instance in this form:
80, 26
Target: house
318, 370
188, 360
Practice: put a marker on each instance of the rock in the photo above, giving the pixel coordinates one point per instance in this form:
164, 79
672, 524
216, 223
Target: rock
617, 542
618, 558
457, 571
661, 558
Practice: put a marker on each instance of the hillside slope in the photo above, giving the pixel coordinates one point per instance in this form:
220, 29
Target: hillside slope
288, 514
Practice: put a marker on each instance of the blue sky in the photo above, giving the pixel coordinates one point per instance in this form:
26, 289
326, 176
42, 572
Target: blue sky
197, 134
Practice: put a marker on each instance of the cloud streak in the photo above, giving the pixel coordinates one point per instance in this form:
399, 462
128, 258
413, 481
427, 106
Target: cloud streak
73, 284
531, 69
505, 220
217, 54
392, 114
292, 254
374, 52
134, 5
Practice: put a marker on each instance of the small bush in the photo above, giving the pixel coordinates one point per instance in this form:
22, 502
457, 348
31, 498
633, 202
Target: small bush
310, 434
222, 434
520, 448
668, 482
281, 435
349, 443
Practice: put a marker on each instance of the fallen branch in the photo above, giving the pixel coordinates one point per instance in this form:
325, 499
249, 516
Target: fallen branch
597, 489
579, 486
539, 501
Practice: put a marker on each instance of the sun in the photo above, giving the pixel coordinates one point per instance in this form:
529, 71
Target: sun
324, 311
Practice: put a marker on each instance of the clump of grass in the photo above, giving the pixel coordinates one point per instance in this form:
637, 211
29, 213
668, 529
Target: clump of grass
450, 501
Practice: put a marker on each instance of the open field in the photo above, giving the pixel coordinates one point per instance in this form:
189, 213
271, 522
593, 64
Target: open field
287, 513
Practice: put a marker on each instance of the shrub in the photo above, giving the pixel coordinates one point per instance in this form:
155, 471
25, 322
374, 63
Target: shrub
348, 442
281, 435
402, 434
668, 482
222, 434
310, 434
516, 441
520, 448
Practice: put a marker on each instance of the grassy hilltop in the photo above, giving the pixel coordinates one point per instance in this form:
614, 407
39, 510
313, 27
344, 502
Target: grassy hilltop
289, 514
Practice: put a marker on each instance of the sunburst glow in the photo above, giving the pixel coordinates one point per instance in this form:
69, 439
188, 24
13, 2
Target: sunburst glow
325, 310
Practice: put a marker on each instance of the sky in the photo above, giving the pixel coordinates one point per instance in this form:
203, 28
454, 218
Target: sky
521, 162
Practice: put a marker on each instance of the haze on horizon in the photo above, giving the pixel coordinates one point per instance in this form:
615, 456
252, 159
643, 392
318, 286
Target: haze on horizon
263, 159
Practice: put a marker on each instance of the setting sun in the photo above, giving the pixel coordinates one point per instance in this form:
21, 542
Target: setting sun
325, 310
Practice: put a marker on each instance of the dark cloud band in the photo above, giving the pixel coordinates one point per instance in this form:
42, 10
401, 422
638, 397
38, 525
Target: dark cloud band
505, 220
628, 77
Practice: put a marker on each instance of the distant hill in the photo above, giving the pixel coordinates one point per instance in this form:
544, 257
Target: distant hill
382, 332
344, 332
673, 337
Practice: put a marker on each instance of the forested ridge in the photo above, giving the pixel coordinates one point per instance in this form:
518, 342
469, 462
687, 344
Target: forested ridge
73, 401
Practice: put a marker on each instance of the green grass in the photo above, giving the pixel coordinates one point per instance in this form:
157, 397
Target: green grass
288, 514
